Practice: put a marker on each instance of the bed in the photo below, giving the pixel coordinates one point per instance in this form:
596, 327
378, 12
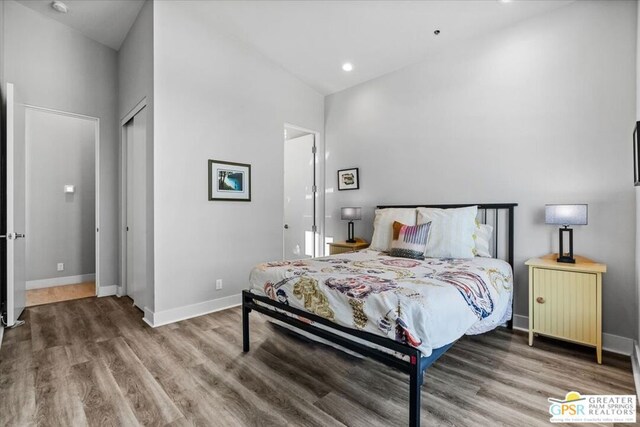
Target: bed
402, 312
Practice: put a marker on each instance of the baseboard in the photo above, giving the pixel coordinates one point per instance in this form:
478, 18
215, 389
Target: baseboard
160, 318
60, 281
635, 364
610, 342
148, 317
521, 323
617, 344
107, 291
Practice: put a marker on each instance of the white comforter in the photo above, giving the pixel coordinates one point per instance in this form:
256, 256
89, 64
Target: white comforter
426, 304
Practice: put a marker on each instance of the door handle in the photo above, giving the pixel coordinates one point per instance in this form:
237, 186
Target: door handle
12, 236
286, 226
540, 300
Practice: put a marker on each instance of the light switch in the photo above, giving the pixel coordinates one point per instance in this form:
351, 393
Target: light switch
69, 188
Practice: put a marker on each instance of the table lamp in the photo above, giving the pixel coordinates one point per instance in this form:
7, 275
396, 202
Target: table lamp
351, 214
565, 215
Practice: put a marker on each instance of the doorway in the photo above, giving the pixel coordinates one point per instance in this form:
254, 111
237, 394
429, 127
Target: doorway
69, 143
134, 274
60, 205
300, 230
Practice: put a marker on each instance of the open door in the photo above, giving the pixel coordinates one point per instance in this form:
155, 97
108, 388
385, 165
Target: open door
15, 213
300, 230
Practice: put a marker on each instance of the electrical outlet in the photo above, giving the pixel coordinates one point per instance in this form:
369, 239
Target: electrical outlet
60, 266
218, 284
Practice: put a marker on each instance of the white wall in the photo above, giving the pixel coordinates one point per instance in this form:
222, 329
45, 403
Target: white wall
638, 67
135, 62
2, 62
538, 113
216, 99
56, 67
60, 150
135, 72
638, 188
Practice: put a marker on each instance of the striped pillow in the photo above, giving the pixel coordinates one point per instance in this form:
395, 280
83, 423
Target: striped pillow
409, 241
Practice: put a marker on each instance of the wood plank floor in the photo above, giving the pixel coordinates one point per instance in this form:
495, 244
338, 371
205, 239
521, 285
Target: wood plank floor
94, 362
60, 293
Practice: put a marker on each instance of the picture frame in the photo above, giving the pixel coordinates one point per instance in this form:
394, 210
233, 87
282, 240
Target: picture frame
229, 181
348, 179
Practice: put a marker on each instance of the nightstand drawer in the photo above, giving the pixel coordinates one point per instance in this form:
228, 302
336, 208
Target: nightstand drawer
335, 250
565, 305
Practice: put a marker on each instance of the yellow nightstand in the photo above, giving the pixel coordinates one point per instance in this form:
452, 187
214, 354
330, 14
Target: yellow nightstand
565, 300
342, 247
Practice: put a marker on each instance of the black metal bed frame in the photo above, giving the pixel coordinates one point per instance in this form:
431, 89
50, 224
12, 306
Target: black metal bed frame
416, 364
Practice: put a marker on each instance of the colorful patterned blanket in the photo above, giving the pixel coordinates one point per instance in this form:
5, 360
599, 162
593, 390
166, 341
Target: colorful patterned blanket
426, 304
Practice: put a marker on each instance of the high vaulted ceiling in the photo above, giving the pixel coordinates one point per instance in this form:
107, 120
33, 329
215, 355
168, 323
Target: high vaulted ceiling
105, 21
312, 39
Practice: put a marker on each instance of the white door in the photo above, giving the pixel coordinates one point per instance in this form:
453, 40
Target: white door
299, 232
16, 212
136, 230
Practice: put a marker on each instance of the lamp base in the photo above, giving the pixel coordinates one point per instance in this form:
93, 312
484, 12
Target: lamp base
563, 256
567, 259
350, 237
351, 241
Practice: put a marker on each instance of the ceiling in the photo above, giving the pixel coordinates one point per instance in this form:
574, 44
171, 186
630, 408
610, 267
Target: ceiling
312, 39
105, 21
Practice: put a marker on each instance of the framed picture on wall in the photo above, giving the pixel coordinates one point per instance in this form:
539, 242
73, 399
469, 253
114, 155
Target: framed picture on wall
348, 179
229, 181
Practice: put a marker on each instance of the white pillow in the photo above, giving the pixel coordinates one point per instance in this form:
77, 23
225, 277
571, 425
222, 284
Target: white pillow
482, 237
383, 226
452, 230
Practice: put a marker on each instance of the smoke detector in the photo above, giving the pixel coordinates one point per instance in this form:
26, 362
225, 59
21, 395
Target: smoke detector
58, 6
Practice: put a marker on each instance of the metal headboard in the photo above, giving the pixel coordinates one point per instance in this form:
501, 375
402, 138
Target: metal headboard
487, 213
491, 212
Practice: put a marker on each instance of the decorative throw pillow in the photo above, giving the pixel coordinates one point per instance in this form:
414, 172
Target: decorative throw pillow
452, 230
482, 237
409, 241
382, 226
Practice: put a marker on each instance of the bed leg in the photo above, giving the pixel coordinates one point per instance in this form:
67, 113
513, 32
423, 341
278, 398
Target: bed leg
415, 384
245, 324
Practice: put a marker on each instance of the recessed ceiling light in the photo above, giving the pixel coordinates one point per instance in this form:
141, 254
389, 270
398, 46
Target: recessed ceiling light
347, 66
505, 1
58, 6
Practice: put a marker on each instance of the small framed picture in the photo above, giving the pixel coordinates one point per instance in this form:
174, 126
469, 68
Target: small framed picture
229, 181
348, 179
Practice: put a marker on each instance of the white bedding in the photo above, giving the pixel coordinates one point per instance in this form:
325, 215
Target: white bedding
426, 304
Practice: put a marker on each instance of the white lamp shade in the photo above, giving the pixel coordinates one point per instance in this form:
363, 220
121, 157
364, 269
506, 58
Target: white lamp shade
351, 214
565, 214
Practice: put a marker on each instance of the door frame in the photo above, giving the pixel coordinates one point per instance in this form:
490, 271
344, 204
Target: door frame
96, 121
318, 171
123, 288
9, 186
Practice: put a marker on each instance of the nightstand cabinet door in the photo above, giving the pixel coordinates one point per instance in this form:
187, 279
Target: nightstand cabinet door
565, 305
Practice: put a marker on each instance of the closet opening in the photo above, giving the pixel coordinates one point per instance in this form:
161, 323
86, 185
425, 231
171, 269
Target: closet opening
134, 266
